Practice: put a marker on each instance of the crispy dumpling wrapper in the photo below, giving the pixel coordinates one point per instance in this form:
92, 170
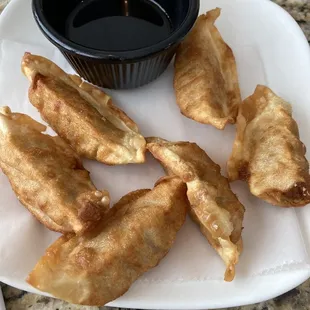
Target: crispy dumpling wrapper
101, 265
214, 206
206, 79
82, 114
47, 177
268, 153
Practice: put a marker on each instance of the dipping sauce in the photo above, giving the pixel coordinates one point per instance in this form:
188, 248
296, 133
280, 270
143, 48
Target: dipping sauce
117, 25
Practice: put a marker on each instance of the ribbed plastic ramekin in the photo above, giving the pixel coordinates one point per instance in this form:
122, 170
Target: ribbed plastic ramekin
117, 69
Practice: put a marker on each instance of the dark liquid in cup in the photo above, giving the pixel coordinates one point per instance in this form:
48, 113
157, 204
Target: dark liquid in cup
117, 25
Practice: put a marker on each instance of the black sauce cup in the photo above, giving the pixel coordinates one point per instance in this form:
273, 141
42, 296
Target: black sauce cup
116, 69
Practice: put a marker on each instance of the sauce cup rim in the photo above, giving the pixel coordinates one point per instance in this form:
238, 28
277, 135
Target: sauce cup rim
116, 56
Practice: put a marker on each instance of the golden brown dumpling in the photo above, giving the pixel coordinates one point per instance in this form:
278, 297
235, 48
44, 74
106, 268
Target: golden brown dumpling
101, 265
214, 206
206, 78
268, 153
47, 177
82, 114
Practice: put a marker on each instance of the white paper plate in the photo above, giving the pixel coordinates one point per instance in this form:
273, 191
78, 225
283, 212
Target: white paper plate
271, 49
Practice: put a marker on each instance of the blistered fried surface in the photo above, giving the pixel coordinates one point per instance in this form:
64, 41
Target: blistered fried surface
82, 114
47, 177
206, 79
268, 153
214, 206
101, 265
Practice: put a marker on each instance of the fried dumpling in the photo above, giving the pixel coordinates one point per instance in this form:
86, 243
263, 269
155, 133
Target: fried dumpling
101, 265
47, 177
214, 206
82, 114
206, 79
268, 153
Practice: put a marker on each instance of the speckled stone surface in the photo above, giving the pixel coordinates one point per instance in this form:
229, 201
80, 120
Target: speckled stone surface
300, 10
297, 299
19, 300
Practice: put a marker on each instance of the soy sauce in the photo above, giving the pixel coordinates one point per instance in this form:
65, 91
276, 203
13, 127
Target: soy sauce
117, 25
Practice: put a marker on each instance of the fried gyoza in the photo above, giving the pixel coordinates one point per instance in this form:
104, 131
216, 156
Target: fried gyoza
213, 205
268, 153
82, 114
47, 177
101, 265
206, 79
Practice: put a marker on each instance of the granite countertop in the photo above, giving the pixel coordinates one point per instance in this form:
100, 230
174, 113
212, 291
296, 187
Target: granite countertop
300, 10
297, 299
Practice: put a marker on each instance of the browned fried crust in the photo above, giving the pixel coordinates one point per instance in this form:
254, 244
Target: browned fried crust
268, 153
82, 114
101, 265
47, 177
214, 207
206, 79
